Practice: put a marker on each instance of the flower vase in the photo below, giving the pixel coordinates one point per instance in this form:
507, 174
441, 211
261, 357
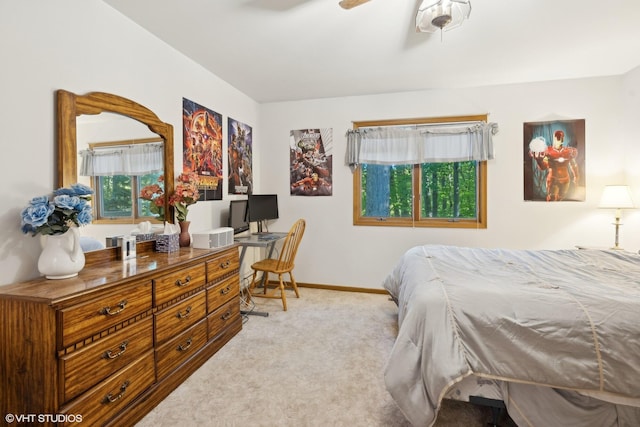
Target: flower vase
184, 238
61, 256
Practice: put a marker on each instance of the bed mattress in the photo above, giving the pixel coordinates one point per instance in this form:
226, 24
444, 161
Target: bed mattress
547, 325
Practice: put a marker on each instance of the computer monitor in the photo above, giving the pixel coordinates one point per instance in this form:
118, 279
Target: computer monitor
238, 216
262, 207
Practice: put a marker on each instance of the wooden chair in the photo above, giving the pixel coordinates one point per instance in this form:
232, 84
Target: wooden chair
283, 264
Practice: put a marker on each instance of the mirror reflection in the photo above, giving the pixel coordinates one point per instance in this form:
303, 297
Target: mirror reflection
116, 146
117, 157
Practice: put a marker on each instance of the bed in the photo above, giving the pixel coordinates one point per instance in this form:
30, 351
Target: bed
554, 334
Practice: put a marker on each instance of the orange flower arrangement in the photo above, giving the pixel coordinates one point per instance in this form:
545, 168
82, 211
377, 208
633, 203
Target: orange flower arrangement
155, 194
185, 194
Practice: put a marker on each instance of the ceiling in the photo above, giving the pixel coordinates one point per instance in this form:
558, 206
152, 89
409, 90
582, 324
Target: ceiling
281, 50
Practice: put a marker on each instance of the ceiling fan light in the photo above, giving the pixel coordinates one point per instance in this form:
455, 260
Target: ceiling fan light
441, 21
442, 15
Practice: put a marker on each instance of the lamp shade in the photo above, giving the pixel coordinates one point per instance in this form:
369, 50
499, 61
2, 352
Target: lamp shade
616, 197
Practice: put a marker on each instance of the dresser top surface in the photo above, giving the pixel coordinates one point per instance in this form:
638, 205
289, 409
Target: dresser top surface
106, 275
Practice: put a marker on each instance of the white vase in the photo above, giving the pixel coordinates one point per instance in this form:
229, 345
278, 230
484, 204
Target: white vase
61, 256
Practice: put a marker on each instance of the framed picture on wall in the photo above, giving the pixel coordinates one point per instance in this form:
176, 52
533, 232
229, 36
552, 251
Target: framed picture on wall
240, 157
202, 148
310, 170
554, 161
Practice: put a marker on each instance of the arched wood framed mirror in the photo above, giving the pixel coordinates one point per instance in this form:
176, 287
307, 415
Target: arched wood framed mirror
70, 106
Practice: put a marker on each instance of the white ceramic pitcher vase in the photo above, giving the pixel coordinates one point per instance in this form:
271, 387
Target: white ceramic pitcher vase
61, 256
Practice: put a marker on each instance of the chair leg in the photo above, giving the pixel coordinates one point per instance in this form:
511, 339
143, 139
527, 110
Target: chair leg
265, 282
283, 295
294, 285
252, 285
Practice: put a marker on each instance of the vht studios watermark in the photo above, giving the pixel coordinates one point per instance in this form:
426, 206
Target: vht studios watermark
43, 418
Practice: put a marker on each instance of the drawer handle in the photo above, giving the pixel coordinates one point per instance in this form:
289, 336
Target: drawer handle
185, 283
107, 310
184, 315
110, 355
225, 290
226, 316
225, 264
186, 346
109, 398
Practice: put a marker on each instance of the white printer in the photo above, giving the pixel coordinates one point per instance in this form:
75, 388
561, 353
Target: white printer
211, 239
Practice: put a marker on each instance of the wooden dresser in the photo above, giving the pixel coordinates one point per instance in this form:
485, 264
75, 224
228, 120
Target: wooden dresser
110, 344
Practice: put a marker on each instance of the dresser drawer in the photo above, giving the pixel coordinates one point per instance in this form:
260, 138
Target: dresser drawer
176, 351
222, 317
105, 400
85, 320
224, 264
175, 284
223, 292
178, 317
82, 369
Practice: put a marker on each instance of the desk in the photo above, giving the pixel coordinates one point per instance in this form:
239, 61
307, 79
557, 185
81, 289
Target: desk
257, 240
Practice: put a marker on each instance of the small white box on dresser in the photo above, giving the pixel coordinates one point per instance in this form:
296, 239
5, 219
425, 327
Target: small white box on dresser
215, 238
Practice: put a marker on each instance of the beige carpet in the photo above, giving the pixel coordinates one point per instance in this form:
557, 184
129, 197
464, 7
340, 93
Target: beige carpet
318, 364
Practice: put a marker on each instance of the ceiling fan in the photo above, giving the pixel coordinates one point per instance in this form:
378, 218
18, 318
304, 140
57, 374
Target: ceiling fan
432, 15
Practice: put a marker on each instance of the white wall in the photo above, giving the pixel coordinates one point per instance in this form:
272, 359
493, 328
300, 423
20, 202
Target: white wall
336, 252
85, 45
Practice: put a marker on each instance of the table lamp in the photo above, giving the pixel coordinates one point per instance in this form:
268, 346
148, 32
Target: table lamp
616, 197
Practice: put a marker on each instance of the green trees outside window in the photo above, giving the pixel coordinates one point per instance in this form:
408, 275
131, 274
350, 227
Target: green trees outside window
447, 195
117, 198
447, 190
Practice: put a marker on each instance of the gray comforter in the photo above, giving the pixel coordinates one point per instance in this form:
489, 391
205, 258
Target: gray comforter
547, 323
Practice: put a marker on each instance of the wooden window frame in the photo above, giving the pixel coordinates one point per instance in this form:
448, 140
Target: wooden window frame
133, 219
479, 223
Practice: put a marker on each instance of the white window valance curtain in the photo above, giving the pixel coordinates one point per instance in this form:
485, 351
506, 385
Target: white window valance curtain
133, 159
441, 143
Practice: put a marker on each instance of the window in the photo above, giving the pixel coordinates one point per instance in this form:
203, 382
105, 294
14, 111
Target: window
117, 172
117, 199
450, 194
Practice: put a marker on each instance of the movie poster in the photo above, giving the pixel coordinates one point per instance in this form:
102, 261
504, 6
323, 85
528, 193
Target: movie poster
202, 148
310, 160
554, 161
240, 157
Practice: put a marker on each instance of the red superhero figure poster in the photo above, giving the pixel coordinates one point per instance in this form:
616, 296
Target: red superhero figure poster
554, 158
202, 148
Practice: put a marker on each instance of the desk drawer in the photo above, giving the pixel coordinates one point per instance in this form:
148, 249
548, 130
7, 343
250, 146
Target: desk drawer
85, 320
227, 262
105, 400
83, 369
223, 317
223, 292
178, 350
178, 317
175, 284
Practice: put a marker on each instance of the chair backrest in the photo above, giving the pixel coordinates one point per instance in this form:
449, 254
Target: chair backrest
290, 246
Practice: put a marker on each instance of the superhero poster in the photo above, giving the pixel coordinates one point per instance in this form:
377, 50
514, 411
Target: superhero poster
202, 148
310, 158
554, 161
240, 157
